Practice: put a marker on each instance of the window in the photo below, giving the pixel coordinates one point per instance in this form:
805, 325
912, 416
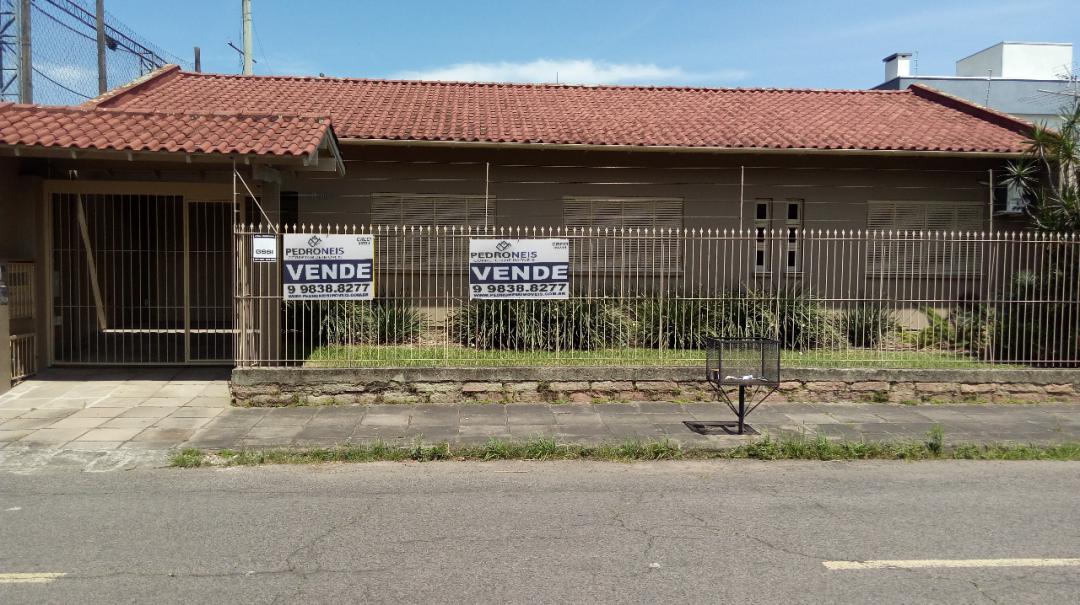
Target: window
409, 250
903, 247
1009, 198
762, 215
421, 210
652, 251
792, 229
777, 226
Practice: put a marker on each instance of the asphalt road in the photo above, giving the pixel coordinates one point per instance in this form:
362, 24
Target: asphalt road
747, 532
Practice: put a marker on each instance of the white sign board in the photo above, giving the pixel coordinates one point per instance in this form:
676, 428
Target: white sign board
519, 269
264, 248
329, 267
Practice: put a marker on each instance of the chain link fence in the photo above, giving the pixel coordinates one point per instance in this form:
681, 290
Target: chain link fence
64, 51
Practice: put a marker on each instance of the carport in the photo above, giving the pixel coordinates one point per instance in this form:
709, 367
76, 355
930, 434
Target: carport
124, 222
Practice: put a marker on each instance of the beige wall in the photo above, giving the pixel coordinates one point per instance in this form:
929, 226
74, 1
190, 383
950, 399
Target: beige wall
529, 186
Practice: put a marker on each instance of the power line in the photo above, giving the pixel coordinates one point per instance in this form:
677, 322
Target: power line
64, 51
55, 83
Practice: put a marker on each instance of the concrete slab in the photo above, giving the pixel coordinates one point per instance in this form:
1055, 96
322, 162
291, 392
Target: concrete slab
289, 416
385, 420
188, 423
170, 436
53, 436
7, 436
93, 446
128, 423
98, 412
533, 430
148, 412
282, 433
173, 402
483, 415
196, 412
79, 422
52, 413
210, 402
26, 423
325, 433
109, 434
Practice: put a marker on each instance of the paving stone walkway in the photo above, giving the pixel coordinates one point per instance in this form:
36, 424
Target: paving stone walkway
122, 410
107, 409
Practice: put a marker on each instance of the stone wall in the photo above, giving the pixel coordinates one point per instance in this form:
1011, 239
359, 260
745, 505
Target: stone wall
311, 386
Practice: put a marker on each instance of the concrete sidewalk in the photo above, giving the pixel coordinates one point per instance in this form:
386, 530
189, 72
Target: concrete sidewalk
159, 410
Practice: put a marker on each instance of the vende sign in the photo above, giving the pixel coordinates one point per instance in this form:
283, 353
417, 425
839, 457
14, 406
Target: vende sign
519, 269
329, 267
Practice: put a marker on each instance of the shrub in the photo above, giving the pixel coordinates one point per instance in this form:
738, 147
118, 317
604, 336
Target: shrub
1044, 333
868, 324
968, 327
302, 331
797, 320
802, 322
682, 323
374, 322
541, 325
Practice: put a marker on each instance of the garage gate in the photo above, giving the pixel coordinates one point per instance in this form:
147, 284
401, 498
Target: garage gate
141, 280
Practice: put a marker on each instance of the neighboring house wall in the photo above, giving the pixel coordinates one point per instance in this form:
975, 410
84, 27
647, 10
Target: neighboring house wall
1040, 101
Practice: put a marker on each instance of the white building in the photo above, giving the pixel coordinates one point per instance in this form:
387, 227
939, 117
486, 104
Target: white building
1031, 80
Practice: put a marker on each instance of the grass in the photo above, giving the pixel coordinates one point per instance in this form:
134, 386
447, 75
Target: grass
544, 448
454, 356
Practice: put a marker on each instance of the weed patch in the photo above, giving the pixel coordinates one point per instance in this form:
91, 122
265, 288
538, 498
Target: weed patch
933, 447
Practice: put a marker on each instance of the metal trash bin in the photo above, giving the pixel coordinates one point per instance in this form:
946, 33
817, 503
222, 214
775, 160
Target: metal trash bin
746, 363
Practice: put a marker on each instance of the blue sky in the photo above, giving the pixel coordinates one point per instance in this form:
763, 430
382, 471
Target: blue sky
824, 43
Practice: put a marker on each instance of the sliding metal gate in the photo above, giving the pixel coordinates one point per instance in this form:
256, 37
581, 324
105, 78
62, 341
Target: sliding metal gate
141, 279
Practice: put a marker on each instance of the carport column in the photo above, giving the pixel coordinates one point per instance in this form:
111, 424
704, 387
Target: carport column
5, 335
268, 317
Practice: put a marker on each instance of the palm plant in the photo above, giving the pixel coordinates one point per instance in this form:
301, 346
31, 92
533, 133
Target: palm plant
1049, 175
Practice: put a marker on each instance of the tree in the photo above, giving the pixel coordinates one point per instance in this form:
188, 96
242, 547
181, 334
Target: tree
1049, 174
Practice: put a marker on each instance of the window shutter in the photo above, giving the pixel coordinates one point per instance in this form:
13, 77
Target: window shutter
946, 252
645, 252
413, 252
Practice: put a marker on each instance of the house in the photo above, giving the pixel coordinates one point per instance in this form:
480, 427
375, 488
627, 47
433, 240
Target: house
1030, 80
123, 209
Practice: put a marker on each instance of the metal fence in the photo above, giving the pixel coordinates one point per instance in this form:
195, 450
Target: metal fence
21, 280
23, 356
20, 277
642, 297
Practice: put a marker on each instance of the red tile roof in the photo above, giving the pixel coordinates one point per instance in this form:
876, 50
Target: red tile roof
123, 130
917, 119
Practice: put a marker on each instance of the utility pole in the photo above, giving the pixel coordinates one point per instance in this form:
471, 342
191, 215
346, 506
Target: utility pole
247, 37
102, 80
26, 65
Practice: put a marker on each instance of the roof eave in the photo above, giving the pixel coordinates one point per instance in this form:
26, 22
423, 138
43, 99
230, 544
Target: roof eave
131, 155
681, 149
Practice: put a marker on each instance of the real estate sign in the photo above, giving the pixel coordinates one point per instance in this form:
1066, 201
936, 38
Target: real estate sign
329, 267
264, 248
519, 269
